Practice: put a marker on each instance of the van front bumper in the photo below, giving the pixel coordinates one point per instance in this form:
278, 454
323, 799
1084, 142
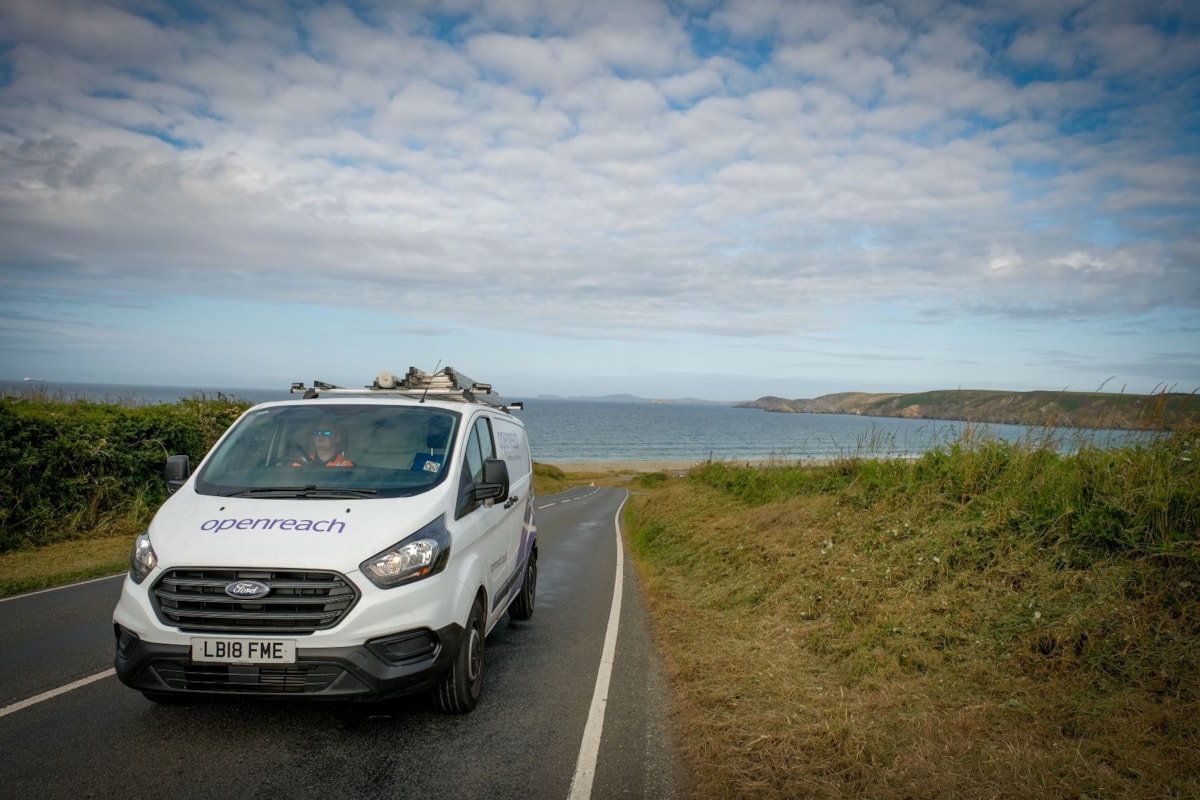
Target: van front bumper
406, 663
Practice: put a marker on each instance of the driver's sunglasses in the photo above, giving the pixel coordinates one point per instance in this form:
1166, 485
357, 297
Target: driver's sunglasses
322, 433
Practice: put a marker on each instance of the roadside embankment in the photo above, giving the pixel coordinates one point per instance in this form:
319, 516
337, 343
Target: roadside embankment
987, 620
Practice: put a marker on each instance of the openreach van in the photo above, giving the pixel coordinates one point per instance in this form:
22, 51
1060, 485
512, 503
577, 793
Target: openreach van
353, 544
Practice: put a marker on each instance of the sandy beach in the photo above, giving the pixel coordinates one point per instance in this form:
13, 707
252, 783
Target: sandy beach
624, 466
635, 466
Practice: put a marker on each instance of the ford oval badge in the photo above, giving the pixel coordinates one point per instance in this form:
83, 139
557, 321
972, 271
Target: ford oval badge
247, 590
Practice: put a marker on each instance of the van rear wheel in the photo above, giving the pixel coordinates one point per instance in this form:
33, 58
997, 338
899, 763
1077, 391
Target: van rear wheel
522, 604
461, 687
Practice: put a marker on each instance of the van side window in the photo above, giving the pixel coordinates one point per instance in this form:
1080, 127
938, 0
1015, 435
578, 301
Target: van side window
479, 448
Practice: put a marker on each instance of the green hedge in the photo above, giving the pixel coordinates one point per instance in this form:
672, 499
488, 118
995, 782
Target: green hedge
69, 468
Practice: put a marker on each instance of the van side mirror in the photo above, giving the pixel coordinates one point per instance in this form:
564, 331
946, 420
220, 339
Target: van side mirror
177, 471
495, 483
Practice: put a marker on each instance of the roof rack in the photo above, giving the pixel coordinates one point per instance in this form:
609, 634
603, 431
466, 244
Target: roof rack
445, 384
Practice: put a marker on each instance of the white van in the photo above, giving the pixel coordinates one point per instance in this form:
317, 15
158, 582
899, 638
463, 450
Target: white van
357, 543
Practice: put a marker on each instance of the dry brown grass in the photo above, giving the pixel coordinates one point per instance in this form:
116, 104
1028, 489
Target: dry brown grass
826, 648
62, 563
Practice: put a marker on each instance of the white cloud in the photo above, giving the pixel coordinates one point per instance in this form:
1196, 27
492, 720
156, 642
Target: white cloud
534, 64
766, 168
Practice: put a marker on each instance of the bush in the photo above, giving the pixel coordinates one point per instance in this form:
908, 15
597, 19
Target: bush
650, 480
70, 468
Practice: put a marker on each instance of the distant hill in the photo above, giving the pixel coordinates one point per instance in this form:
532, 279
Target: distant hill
1054, 409
629, 398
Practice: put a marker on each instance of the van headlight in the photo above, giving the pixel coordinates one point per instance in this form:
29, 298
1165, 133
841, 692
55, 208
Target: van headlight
423, 554
143, 560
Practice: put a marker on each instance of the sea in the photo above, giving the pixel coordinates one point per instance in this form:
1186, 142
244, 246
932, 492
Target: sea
566, 431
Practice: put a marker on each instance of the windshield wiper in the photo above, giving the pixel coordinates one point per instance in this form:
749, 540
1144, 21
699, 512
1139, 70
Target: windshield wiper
311, 490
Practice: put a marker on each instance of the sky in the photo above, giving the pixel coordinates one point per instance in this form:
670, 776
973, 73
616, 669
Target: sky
689, 198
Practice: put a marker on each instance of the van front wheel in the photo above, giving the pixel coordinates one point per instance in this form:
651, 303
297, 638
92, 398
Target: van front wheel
461, 687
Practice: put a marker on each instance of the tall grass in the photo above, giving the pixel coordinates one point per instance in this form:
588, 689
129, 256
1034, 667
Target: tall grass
1140, 499
990, 619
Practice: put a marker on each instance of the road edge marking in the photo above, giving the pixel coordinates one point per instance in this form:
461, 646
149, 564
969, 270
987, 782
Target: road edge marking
589, 748
32, 701
64, 586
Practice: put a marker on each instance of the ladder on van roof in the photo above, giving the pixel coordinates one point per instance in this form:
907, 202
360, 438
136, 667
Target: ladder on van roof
445, 384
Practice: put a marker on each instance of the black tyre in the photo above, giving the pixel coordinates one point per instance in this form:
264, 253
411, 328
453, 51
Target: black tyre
460, 689
522, 604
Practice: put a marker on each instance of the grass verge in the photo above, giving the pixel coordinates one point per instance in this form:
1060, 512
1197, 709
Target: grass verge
61, 563
938, 628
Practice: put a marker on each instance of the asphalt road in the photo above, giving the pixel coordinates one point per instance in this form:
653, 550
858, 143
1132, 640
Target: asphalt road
99, 738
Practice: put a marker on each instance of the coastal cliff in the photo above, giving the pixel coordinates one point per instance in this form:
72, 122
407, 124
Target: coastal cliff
1054, 409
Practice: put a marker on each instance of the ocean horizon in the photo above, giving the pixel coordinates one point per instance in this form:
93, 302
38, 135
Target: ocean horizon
569, 431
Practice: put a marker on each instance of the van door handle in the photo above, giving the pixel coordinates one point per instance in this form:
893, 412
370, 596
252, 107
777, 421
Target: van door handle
512, 501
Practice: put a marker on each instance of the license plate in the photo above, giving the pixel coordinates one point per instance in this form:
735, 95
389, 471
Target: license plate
244, 651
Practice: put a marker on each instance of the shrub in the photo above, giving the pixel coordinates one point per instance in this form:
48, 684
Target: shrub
71, 467
650, 480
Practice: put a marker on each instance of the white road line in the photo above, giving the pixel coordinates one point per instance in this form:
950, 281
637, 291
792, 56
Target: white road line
589, 748
64, 586
569, 499
32, 701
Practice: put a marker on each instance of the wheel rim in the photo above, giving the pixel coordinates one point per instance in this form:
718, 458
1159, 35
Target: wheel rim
474, 655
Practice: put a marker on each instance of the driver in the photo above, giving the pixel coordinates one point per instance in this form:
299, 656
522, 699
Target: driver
327, 451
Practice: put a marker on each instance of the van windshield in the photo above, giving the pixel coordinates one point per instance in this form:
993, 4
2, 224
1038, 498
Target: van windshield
372, 450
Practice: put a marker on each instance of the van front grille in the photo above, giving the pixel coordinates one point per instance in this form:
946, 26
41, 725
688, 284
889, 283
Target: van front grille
291, 679
299, 601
